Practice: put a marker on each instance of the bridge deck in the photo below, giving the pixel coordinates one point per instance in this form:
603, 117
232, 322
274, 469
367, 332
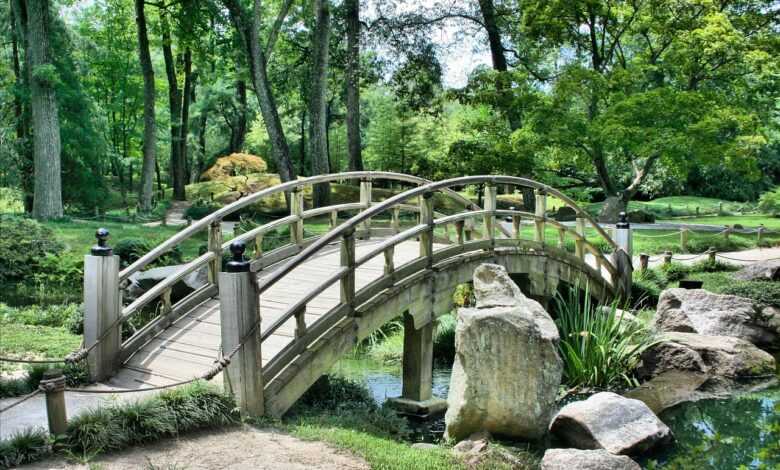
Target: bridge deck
189, 346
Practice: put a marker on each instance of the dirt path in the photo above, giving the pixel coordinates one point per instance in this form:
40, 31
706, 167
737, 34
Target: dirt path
174, 216
241, 448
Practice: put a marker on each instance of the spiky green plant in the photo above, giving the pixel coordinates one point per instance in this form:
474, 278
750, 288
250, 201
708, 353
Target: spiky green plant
599, 347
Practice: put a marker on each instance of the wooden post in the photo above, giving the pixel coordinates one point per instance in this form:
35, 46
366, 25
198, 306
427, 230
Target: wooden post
759, 235
684, 240
426, 237
365, 200
240, 320
579, 244
102, 308
712, 253
300, 322
667, 258
516, 220
644, 261
490, 217
215, 246
622, 256
726, 233
562, 238
389, 260
459, 225
334, 219
348, 261
541, 209
395, 223
296, 209
259, 246
53, 383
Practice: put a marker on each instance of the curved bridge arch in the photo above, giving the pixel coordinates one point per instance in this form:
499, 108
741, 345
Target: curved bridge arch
413, 268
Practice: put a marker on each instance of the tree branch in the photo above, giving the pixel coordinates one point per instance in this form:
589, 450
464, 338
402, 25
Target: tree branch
274, 34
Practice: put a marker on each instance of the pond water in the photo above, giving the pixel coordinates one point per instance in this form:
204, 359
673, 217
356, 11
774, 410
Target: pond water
723, 434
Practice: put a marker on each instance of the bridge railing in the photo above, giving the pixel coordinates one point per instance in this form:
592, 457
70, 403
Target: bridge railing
428, 255
212, 258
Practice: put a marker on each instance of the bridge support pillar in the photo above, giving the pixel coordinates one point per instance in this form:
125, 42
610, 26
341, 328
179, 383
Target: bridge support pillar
240, 317
102, 308
417, 392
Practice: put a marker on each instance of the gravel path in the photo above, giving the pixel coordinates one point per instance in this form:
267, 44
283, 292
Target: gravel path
237, 448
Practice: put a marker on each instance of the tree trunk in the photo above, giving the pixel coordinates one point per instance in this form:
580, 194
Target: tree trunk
47, 199
353, 85
613, 206
21, 110
302, 149
318, 145
174, 105
150, 137
185, 114
239, 129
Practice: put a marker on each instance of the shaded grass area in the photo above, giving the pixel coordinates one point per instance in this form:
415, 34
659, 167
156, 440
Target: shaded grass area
747, 221
679, 205
35, 341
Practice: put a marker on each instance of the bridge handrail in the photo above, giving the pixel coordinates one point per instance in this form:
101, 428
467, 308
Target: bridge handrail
288, 186
432, 187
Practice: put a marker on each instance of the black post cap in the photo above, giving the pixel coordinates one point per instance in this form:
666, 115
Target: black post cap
238, 264
622, 221
102, 248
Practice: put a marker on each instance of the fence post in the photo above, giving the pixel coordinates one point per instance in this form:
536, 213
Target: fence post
102, 308
579, 245
644, 261
365, 200
395, 222
240, 320
726, 233
684, 240
459, 225
215, 246
296, 209
667, 258
426, 237
53, 384
622, 256
541, 209
712, 252
348, 261
490, 217
759, 235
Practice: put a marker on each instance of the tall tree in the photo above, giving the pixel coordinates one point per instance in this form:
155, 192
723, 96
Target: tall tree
35, 16
177, 163
248, 25
150, 136
353, 85
318, 103
21, 110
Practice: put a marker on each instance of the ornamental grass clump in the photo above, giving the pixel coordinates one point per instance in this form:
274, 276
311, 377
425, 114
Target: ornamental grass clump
600, 347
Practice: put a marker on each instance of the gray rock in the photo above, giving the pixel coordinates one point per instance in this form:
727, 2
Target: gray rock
624, 316
472, 445
761, 271
507, 371
142, 281
577, 459
608, 421
728, 362
700, 311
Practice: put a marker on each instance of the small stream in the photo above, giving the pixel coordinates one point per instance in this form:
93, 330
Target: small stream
723, 434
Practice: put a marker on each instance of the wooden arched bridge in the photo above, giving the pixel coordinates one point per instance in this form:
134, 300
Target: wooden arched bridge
271, 323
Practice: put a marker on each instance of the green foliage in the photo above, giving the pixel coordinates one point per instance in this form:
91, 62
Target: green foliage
172, 412
24, 247
334, 392
24, 447
770, 202
599, 348
200, 209
130, 250
760, 291
444, 339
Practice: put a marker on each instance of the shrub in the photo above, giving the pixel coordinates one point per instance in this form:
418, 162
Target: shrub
760, 291
24, 245
769, 202
24, 447
707, 266
68, 315
598, 348
675, 271
233, 165
333, 392
646, 287
700, 245
200, 209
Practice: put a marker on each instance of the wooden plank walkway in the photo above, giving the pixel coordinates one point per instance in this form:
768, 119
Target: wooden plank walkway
189, 346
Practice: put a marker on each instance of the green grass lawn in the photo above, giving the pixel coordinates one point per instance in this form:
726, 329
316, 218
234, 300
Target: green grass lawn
747, 221
34, 342
679, 205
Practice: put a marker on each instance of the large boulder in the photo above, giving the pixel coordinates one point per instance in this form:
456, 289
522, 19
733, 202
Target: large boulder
608, 421
507, 371
729, 363
571, 459
700, 311
761, 271
142, 281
